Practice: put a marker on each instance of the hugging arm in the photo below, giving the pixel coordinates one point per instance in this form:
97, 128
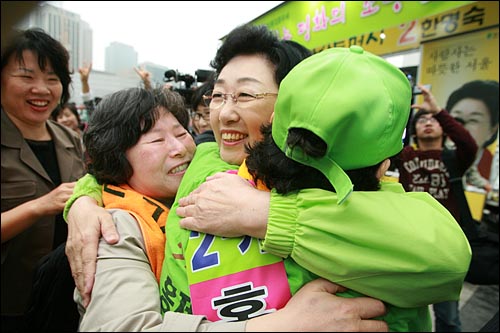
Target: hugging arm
300, 224
126, 298
87, 221
225, 205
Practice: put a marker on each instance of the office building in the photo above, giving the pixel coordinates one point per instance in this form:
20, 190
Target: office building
66, 27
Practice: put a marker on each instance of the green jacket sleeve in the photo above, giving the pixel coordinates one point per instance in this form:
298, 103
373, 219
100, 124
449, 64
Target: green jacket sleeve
85, 186
403, 248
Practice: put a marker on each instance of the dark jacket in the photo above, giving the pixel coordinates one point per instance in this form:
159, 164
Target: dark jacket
207, 136
25, 179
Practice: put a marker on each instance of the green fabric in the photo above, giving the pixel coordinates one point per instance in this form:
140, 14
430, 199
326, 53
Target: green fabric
355, 101
403, 248
174, 287
85, 186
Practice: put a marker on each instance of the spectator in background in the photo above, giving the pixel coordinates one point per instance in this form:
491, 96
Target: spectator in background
67, 115
200, 114
475, 104
41, 160
421, 169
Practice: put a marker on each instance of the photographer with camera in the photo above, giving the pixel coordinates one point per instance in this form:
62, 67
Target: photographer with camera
186, 85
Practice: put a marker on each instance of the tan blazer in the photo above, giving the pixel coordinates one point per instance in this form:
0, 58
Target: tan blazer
24, 179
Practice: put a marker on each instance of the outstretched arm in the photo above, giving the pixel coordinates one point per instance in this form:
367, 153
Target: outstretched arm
430, 104
145, 77
88, 99
84, 78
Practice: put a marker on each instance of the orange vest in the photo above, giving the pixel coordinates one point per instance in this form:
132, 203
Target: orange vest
150, 214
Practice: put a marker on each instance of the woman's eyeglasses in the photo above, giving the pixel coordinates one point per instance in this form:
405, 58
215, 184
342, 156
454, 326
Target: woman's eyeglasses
217, 100
198, 115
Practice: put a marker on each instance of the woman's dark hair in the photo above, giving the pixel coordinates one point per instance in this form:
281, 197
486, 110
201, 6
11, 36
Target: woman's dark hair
72, 107
267, 163
198, 93
47, 49
117, 124
249, 39
483, 90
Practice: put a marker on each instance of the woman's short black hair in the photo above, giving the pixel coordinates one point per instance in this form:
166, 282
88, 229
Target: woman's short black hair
117, 124
249, 39
198, 93
46, 48
483, 90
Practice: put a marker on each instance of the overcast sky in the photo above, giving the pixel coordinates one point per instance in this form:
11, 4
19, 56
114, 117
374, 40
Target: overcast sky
182, 35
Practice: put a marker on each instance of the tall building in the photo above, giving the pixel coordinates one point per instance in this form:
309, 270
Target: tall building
120, 58
77, 36
67, 27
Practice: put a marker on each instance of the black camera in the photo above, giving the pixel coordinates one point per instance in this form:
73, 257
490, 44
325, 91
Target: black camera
185, 89
175, 76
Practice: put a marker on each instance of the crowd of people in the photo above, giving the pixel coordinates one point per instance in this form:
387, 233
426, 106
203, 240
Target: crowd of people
260, 204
